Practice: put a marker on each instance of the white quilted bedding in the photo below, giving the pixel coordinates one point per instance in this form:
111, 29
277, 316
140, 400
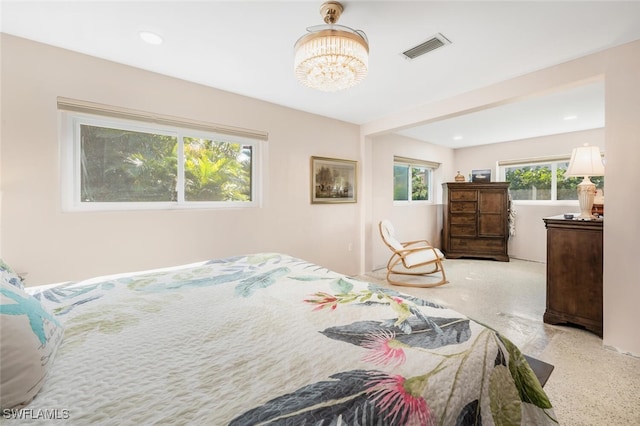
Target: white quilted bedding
270, 339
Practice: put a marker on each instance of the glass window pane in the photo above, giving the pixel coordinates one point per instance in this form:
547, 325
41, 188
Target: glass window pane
599, 182
216, 170
568, 186
400, 183
127, 166
529, 182
419, 183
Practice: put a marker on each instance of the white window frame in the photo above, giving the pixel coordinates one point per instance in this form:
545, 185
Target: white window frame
70, 153
501, 167
429, 165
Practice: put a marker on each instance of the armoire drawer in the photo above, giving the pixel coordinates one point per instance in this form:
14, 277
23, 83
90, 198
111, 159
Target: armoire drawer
480, 245
463, 195
467, 230
463, 207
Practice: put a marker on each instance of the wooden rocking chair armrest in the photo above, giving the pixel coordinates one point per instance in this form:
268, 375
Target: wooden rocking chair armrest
410, 243
407, 250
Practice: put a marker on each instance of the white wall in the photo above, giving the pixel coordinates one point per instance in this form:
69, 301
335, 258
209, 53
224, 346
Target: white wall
51, 245
530, 240
411, 222
622, 226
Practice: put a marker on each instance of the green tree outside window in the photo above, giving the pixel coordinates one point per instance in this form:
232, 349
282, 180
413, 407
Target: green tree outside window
132, 166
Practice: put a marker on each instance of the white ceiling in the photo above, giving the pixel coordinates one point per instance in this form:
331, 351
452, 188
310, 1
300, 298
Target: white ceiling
247, 48
579, 108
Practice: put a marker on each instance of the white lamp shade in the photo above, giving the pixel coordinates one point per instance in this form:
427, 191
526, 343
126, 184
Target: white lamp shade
586, 161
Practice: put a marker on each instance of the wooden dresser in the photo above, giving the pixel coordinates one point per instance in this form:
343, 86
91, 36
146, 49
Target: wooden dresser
476, 220
574, 272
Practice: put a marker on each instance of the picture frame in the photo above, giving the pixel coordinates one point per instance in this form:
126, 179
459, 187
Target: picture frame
481, 176
333, 180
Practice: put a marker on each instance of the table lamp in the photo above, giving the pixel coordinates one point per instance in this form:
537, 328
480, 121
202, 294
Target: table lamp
586, 161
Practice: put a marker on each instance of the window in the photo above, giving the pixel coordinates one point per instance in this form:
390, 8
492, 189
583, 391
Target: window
115, 164
412, 179
542, 180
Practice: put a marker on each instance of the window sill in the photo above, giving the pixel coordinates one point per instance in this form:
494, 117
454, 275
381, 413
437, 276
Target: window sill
413, 203
545, 203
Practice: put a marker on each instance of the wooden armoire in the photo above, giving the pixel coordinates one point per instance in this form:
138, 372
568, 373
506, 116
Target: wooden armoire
476, 220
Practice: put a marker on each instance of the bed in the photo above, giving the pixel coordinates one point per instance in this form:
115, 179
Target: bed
265, 339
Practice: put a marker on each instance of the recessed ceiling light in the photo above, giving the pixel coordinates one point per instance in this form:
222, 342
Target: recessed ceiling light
570, 117
149, 37
457, 138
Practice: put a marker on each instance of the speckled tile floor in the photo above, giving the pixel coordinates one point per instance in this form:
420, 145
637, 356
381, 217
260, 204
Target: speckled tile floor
590, 385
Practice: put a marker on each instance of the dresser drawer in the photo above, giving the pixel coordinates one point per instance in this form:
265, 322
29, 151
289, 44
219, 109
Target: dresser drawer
463, 207
481, 245
463, 218
471, 195
468, 230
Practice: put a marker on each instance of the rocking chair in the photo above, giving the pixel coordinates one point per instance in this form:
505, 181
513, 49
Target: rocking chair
411, 258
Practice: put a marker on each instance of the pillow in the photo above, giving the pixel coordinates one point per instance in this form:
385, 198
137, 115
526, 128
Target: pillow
7, 275
29, 338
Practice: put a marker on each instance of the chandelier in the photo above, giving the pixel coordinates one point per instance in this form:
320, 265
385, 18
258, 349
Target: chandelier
331, 57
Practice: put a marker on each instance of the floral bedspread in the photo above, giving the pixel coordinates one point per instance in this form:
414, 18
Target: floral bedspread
271, 339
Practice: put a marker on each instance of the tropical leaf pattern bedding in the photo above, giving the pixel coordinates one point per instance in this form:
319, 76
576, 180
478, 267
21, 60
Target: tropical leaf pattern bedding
271, 339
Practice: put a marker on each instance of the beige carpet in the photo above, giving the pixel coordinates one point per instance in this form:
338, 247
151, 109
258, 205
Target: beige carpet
590, 385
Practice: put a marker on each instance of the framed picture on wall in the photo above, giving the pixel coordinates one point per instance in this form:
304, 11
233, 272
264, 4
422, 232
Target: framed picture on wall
333, 180
481, 175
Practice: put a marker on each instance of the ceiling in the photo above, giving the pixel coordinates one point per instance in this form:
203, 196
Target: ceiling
247, 48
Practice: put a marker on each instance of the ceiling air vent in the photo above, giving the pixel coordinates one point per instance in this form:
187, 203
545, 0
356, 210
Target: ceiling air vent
433, 43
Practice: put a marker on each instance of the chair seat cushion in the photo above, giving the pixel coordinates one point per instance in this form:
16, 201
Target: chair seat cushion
422, 256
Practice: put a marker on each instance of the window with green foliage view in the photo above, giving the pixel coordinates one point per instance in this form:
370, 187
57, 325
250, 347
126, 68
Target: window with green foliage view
126, 166
411, 182
544, 181
116, 164
216, 170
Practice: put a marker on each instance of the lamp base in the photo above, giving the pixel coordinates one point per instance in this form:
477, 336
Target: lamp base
586, 194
